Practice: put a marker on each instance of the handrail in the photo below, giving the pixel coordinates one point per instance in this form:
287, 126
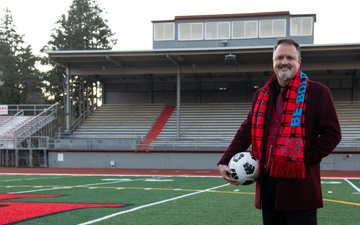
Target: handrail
81, 118
21, 112
17, 132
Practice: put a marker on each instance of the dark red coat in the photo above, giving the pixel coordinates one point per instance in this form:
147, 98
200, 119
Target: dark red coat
323, 134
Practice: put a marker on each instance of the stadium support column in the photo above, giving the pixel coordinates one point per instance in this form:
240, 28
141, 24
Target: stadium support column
356, 85
178, 92
67, 100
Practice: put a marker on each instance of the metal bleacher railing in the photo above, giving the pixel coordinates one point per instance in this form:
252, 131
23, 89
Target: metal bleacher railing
26, 126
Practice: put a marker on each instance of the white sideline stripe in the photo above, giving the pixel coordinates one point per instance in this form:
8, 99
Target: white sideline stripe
151, 204
68, 187
353, 185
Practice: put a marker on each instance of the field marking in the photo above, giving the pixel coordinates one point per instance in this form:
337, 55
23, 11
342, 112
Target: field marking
331, 182
28, 179
353, 185
68, 187
151, 204
342, 202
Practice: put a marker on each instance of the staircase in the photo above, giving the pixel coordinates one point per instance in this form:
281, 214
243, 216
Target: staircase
18, 128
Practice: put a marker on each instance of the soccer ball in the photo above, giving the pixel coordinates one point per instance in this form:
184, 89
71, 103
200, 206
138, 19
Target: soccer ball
244, 167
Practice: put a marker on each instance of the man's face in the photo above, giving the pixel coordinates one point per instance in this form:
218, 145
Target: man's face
286, 63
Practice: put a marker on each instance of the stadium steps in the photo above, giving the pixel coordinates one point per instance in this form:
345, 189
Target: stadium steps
157, 128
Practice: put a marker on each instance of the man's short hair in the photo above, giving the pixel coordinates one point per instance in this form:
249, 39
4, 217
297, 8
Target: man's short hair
289, 41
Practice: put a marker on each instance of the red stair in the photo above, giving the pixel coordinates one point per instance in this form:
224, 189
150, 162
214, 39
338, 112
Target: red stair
156, 129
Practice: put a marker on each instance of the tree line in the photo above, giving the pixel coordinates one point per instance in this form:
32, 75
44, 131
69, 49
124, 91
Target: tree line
21, 80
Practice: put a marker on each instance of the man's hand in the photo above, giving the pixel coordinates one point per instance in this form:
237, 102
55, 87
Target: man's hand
225, 173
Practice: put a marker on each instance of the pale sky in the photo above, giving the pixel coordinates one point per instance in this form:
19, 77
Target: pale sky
336, 21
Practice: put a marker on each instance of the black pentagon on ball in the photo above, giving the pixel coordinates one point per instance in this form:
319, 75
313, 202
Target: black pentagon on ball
249, 169
247, 182
234, 175
239, 156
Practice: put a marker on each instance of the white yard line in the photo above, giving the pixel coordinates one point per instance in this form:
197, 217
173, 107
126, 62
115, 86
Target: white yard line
151, 204
353, 185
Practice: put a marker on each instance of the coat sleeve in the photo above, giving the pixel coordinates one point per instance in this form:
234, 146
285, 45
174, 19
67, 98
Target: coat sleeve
324, 131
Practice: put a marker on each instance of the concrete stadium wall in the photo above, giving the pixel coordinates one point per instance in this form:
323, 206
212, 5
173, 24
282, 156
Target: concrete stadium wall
345, 162
168, 160
133, 160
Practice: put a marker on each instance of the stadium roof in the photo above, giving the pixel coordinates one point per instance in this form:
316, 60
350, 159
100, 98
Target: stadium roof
108, 65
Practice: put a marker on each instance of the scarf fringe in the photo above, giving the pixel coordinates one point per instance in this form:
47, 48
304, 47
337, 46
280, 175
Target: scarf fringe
287, 170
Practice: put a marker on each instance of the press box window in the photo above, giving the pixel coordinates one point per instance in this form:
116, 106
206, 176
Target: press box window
217, 30
245, 29
164, 31
190, 31
272, 28
301, 26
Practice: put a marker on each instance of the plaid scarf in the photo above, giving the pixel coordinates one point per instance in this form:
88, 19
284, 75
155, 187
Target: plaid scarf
288, 161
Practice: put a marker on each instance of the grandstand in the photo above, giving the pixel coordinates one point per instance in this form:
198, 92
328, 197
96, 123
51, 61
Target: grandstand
178, 105
205, 128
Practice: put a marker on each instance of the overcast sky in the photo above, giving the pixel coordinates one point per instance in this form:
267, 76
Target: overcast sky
337, 22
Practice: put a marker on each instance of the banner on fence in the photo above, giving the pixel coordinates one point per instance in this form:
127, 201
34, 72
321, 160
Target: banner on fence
3, 109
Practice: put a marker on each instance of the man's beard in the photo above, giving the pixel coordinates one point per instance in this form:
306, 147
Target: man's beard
285, 76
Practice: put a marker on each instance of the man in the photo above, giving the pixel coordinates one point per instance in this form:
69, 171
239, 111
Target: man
291, 126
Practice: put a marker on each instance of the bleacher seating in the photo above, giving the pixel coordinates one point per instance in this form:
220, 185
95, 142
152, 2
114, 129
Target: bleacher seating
349, 117
18, 128
204, 126
120, 121
11, 123
212, 126
24, 121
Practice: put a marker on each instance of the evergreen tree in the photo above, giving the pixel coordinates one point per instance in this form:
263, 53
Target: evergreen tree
20, 78
83, 28
6, 60
31, 81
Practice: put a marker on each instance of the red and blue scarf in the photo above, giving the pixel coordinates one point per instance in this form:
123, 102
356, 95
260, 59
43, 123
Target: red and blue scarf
288, 161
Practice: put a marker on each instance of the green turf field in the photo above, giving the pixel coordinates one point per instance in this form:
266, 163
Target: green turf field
74, 199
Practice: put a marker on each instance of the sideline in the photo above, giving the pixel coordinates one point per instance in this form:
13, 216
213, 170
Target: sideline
353, 185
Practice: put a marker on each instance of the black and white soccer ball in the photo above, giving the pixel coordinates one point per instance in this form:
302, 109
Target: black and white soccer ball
244, 167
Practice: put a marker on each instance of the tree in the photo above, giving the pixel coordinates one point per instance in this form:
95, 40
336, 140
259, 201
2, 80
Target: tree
31, 81
82, 29
5, 71
20, 78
